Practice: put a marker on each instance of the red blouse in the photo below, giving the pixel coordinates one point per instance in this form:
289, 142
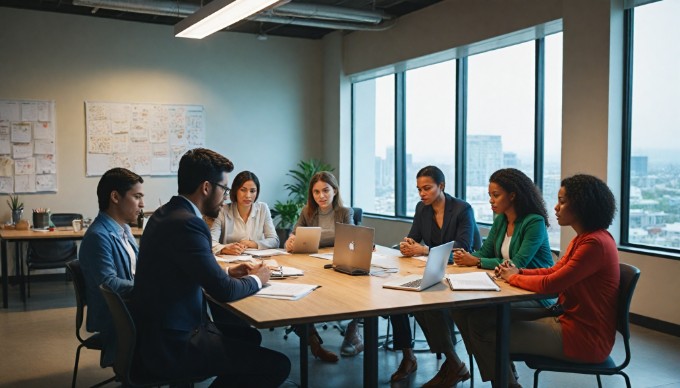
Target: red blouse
587, 280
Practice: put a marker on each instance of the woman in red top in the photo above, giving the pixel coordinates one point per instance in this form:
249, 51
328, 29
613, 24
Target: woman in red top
586, 279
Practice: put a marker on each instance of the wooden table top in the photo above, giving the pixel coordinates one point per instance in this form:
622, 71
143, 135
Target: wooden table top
62, 232
343, 296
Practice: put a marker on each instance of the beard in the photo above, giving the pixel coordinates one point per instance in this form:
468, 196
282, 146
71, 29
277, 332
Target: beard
213, 212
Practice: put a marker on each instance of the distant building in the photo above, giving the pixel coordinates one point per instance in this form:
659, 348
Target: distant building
510, 160
484, 156
638, 165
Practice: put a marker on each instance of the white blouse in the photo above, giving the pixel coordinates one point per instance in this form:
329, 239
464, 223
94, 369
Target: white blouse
229, 227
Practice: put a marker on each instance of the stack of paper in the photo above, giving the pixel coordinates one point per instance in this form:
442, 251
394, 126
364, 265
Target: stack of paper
265, 252
472, 281
287, 291
283, 272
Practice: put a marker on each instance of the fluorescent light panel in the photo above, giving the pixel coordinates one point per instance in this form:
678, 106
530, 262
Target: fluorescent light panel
217, 15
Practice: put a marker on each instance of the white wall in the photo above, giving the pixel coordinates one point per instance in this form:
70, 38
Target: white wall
591, 95
262, 99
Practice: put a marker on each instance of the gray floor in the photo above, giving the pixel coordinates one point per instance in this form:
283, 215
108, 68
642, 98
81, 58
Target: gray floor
37, 342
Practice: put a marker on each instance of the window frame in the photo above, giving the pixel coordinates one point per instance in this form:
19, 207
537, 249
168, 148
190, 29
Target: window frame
626, 154
461, 132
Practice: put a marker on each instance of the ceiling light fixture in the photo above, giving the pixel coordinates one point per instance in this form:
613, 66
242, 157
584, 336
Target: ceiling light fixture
219, 14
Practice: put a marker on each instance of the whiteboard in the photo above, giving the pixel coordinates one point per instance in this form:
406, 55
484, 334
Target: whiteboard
148, 139
28, 155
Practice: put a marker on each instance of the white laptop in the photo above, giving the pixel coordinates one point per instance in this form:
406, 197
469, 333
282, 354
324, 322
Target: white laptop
307, 239
353, 249
435, 268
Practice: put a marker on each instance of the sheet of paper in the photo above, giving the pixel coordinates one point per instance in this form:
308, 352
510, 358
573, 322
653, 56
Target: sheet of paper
284, 290
21, 132
325, 256
234, 258
266, 252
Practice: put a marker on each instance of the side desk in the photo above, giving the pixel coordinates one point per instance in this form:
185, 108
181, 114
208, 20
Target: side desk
343, 297
17, 236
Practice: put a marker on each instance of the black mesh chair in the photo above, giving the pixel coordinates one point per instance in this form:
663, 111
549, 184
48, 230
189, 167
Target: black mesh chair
44, 254
128, 373
92, 342
629, 278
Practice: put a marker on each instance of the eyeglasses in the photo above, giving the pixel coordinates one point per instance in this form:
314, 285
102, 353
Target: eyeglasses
223, 187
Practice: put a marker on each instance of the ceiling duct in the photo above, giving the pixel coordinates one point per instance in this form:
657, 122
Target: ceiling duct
309, 15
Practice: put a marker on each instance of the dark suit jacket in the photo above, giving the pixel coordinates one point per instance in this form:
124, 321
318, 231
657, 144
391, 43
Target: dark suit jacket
175, 263
459, 224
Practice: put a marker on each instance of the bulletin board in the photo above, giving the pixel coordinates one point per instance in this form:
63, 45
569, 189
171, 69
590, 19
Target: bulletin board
27, 150
148, 139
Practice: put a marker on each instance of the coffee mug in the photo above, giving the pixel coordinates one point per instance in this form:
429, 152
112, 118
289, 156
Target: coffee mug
77, 225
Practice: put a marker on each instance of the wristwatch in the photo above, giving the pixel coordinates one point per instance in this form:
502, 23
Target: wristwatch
479, 263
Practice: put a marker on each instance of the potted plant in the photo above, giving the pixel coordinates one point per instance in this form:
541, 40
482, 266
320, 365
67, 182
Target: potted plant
16, 207
287, 213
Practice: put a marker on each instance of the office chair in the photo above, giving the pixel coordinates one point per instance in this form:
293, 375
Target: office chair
92, 342
629, 278
126, 339
52, 254
358, 215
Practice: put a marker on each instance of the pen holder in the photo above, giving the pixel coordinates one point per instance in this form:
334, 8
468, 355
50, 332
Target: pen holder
41, 220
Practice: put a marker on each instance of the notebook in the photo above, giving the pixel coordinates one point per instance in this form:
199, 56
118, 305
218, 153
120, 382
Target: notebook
307, 239
434, 271
472, 281
353, 249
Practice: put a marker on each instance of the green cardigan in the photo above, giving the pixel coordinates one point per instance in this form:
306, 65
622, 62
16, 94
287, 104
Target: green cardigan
529, 247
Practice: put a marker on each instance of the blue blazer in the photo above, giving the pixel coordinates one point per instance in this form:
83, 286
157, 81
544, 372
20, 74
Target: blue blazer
459, 224
104, 260
175, 265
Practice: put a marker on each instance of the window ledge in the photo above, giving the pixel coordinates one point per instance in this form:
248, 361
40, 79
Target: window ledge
650, 252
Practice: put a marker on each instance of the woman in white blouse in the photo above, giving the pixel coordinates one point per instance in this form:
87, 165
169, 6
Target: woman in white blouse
243, 223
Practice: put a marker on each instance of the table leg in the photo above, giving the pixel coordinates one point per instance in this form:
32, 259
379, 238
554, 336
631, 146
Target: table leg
304, 357
19, 269
502, 344
371, 352
5, 275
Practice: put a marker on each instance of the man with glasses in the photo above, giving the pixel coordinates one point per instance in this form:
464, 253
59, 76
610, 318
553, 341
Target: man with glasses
176, 339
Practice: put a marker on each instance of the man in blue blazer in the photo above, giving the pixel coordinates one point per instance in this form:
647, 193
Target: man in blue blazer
175, 337
108, 252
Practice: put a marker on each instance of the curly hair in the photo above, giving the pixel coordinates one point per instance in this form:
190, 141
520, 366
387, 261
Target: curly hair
591, 200
528, 198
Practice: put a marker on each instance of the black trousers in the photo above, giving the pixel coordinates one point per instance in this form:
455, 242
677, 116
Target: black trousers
238, 360
401, 329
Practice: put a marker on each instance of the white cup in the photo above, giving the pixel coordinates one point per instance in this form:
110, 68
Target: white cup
77, 225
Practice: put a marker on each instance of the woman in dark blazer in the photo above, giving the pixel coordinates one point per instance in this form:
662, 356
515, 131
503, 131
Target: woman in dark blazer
439, 218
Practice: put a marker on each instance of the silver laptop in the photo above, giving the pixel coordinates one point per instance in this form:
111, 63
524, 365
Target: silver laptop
434, 271
353, 249
307, 239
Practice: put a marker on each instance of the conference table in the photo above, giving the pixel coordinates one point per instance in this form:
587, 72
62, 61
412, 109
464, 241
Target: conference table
17, 236
343, 296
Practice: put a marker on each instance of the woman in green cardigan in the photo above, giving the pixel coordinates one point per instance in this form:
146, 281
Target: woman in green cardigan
519, 231
519, 236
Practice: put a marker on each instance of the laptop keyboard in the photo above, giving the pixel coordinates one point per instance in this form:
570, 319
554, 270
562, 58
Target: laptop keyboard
412, 283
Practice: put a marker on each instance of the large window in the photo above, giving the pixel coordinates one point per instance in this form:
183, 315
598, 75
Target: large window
500, 127
653, 211
430, 125
373, 185
470, 117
